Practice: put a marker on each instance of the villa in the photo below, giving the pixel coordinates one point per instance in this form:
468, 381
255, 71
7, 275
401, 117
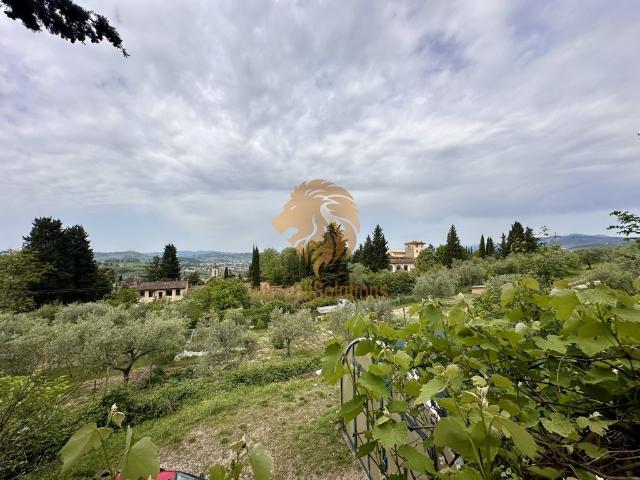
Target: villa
405, 259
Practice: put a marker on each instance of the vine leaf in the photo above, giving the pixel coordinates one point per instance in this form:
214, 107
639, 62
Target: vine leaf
84, 440
217, 472
522, 439
416, 461
450, 432
557, 423
391, 434
352, 408
431, 388
261, 462
141, 459
374, 384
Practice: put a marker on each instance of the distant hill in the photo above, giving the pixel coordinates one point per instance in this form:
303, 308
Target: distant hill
575, 241
198, 256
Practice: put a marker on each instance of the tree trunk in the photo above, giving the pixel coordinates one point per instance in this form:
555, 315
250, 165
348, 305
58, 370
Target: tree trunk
125, 373
288, 348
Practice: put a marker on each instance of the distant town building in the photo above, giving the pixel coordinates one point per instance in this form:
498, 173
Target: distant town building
215, 271
405, 259
152, 291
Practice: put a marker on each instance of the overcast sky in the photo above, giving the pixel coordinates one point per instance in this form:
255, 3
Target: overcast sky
430, 113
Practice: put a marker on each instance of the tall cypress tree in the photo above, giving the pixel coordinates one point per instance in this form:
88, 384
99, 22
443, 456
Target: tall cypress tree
490, 248
254, 270
367, 252
482, 251
452, 249
504, 251
169, 263
225, 275
515, 238
379, 251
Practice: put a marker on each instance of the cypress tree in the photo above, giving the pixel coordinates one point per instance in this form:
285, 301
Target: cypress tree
367, 252
379, 251
530, 240
225, 275
515, 238
169, 263
503, 246
452, 249
254, 272
331, 258
482, 251
490, 248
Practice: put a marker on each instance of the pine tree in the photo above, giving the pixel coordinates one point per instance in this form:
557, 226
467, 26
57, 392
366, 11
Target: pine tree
503, 246
530, 241
367, 252
515, 238
225, 275
254, 270
290, 266
152, 270
330, 258
72, 273
452, 248
482, 251
379, 259
169, 263
490, 248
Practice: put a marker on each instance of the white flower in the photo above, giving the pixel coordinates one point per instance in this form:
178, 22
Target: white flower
615, 370
521, 328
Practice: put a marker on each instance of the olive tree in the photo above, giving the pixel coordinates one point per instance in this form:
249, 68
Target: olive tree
287, 328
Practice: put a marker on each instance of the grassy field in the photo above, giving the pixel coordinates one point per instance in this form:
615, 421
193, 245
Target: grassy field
196, 412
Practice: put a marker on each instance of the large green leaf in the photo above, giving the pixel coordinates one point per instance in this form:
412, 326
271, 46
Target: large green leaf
261, 463
557, 423
431, 388
450, 432
522, 439
563, 302
552, 342
141, 460
375, 385
507, 295
416, 461
391, 434
352, 408
380, 369
332, 369
84, 440
402, 359
594, 423
217, 472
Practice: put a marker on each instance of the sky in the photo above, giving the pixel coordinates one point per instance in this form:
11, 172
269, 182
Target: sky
430, 113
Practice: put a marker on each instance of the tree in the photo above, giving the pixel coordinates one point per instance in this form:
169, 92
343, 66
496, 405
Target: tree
271, 266
254, 269
452, 249
290, 266
73, 274
222, 335
358, 275
153, 270
289, 327
169, 263
123, 296
366, 253
121, 337
330, 258
628, 224
216, 294
306, 260
379, 256
18, 271
490, 247
63, 18
589, 256
482, 250
225, 275
194, 278
530, 241
504, 251
427, 259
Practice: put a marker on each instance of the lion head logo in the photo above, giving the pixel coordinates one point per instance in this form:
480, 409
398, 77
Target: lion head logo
314, 205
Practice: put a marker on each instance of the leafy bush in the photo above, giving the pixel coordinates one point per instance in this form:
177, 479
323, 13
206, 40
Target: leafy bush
468, 273
546, 388
551, 262
436, 283
287, 328
393, 283
259, 315
612, 275
270, 373
215, 295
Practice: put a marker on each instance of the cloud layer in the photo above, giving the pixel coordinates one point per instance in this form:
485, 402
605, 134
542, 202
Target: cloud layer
430, 113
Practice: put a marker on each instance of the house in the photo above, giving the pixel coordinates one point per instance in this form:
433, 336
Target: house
405, 259
171, 289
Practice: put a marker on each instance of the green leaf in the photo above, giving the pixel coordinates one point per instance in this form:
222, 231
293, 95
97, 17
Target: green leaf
366, 449
352, 408
402, 359
431, 388
563, 302
522, 439
416, 461
450, 432
363, 347
412, 388
546, 472
594, 423
391, 434
503, 382
261, 463
332, 369
507, 295
84, 440
557, 423
552, 342
217, 472
397, 406
466, 473
356, 325
141, 460
375, 385
530, 283
592, 450
380, 369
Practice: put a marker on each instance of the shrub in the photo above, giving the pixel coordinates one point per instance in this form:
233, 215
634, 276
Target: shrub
393, 283
270, 373
612, 275
290, 327
436, 283
468, 273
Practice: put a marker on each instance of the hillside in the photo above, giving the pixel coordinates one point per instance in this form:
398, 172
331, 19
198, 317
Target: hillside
204, 256
576, 241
